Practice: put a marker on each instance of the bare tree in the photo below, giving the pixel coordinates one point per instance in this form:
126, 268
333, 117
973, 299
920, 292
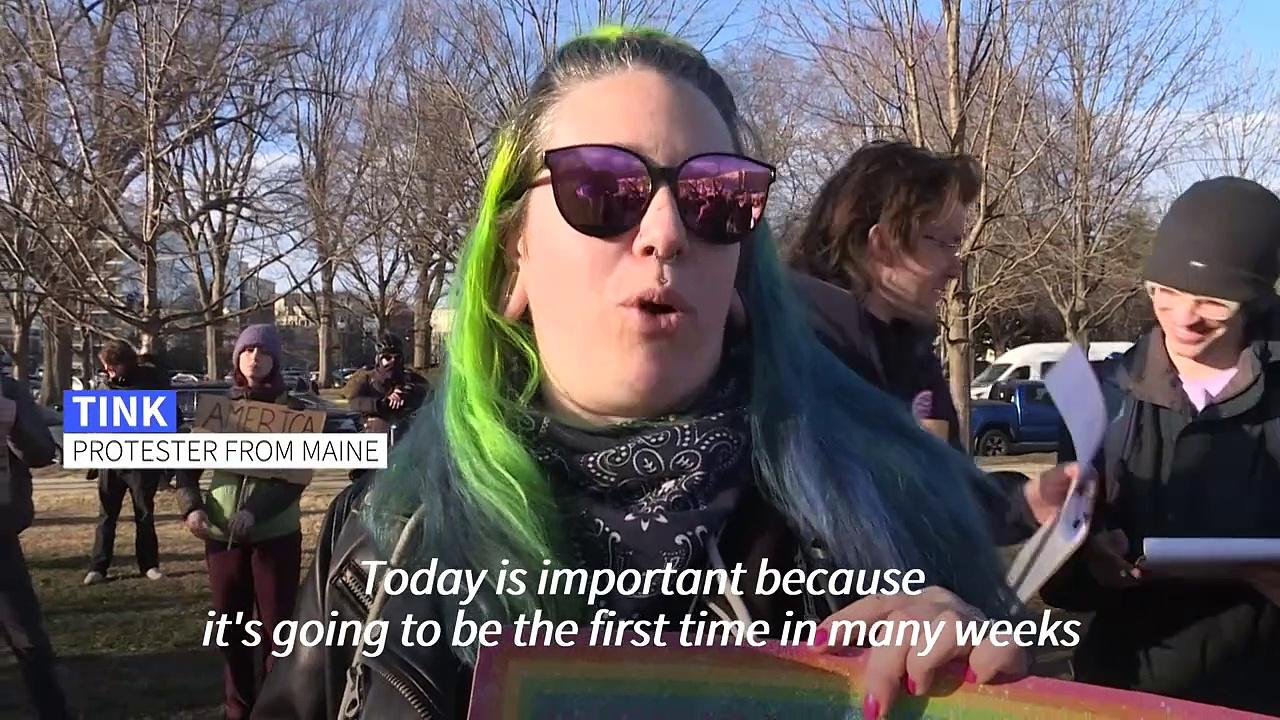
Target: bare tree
130, 88
20, 221
1129, 73
1241, 135
969, 82
230, 211
336, 62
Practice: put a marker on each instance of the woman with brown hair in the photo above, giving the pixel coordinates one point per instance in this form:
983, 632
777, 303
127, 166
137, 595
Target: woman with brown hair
886, 228
880, 244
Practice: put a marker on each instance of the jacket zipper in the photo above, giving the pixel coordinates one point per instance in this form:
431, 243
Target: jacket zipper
355, 586
411, 693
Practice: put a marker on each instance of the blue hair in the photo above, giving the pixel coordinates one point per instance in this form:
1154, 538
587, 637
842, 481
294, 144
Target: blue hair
843, 461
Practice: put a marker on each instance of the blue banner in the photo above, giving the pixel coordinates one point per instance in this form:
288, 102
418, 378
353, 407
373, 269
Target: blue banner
120, 411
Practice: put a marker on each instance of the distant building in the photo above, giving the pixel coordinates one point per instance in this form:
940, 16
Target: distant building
257, 290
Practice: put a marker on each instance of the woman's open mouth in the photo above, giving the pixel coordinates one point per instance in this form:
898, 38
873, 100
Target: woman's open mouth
657, 312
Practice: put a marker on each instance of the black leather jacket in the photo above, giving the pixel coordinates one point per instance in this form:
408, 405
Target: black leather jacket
429, 682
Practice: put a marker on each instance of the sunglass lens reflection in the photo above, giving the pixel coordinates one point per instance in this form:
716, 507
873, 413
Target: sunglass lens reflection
600, 191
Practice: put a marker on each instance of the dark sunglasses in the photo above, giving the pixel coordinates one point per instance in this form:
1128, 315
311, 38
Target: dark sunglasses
605, 190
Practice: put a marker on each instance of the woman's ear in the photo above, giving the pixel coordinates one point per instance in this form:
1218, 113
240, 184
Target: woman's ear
878, 246
515, 301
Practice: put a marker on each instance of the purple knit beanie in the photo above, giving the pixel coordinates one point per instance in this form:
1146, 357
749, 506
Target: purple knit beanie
264, 336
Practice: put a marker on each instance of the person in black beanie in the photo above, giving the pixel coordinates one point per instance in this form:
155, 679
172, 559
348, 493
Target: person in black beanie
1192, 450
391, 393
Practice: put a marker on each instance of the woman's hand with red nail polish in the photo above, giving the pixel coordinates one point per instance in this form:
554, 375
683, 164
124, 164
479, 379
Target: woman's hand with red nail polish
871, 708
914, 667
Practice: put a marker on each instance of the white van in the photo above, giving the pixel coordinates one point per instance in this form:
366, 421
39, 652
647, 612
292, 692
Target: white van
1032, 362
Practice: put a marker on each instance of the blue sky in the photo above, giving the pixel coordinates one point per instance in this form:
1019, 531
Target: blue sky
1253, 24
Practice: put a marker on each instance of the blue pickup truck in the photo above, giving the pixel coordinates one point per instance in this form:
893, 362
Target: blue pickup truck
1020, 418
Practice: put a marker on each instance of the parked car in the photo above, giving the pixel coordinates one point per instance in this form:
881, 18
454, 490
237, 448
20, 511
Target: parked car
1021, 419
337, 419
342, 375
1032, 362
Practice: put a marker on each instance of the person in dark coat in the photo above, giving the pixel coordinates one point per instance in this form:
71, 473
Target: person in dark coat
1192, 450
29, 446
875, 255
887, 228
607, 408
125, 372
390, 393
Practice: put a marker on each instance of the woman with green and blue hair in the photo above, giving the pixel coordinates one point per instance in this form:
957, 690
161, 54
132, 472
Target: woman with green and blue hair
632, 384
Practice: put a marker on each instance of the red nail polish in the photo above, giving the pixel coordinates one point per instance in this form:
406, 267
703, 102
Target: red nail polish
911, 685
820, 638
970, 676
871, 708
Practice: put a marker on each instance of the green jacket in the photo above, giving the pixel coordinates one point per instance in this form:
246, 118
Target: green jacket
274, 504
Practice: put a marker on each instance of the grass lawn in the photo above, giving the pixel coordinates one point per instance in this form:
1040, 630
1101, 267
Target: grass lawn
131, 648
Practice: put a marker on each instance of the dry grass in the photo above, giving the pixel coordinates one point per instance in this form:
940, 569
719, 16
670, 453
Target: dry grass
129, 648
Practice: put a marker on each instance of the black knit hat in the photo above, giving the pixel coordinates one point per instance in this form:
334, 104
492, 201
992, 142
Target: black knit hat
1221, 239
389, 344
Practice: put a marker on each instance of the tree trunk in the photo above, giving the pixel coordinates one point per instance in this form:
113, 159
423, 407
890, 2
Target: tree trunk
65, 348
21, 347
212, 348
57, 360
87, 367
959, 360
49, 392
324, 336
423, 306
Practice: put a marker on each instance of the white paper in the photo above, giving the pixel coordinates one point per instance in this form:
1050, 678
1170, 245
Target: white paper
1161, 553
1078, 397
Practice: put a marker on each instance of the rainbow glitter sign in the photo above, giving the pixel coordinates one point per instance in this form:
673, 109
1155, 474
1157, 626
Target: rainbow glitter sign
771, 683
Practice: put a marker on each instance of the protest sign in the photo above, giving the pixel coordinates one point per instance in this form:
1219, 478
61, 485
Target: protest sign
654, 683
223, 415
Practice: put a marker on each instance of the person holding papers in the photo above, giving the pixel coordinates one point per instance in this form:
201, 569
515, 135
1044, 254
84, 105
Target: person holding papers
632, 384
1192, 451
251, 527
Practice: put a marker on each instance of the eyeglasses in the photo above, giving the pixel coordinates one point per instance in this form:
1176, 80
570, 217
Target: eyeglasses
951, 246
605, 190
1213, 309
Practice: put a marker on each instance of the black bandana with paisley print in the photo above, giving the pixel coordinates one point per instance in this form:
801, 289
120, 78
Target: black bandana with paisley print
645, 495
